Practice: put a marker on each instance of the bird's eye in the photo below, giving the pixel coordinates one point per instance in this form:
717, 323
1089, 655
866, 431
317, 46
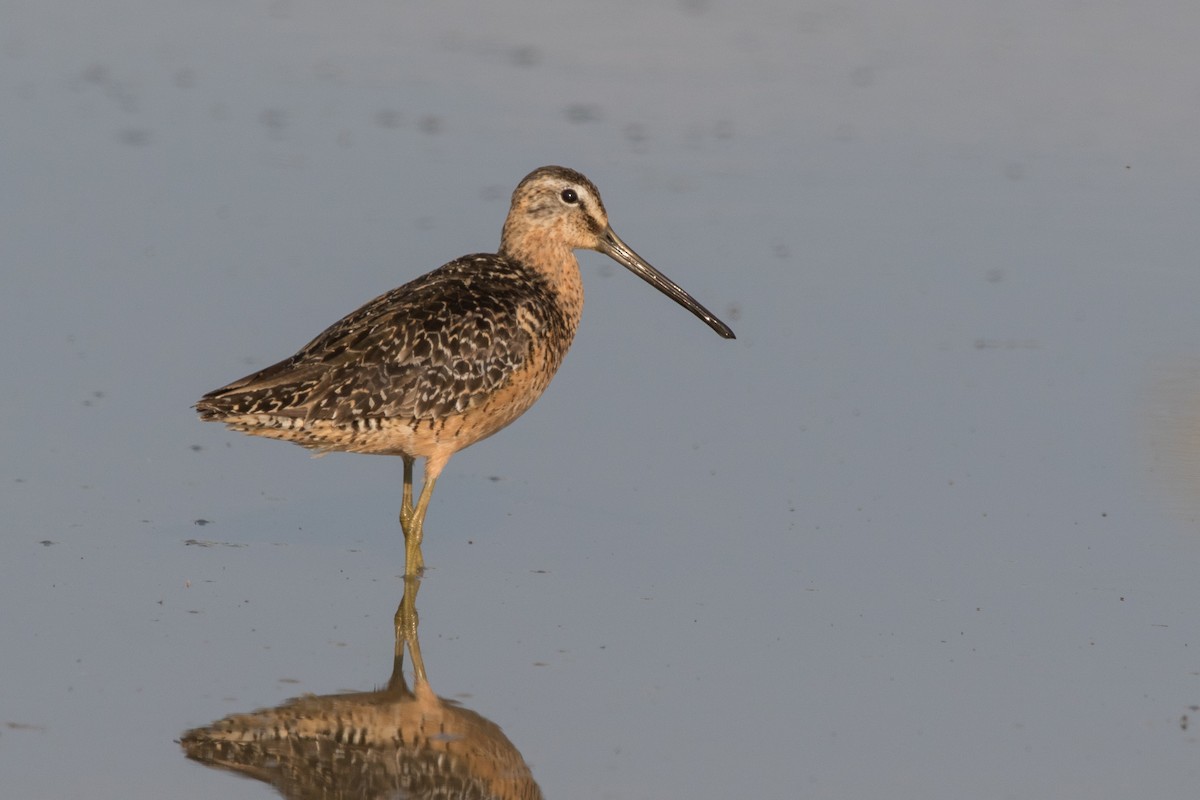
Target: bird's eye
569, 196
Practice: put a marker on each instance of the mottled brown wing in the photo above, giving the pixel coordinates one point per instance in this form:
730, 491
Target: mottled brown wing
431, 348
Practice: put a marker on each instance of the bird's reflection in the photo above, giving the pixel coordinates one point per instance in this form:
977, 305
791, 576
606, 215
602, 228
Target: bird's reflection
395, 742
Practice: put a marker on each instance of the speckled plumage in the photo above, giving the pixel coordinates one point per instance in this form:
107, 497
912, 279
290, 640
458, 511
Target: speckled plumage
451, 357
421, 354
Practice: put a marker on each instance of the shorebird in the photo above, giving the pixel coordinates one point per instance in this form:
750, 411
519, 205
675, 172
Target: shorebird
451, 357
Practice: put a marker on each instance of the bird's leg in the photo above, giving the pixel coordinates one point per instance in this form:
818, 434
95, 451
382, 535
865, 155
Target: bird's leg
414, 562
406, 505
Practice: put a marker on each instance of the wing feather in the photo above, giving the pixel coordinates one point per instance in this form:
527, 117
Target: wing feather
434, 347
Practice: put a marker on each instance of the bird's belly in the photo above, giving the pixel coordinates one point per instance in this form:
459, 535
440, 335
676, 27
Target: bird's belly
441, 435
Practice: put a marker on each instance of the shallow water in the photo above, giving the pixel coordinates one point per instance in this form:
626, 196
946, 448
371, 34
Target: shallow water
927, 528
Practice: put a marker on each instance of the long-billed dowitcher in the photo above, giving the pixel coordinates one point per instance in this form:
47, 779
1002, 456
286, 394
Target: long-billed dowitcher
451, 357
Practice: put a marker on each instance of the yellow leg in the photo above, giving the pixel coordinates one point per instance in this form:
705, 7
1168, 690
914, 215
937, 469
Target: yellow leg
414, 562
406, 507
412, 519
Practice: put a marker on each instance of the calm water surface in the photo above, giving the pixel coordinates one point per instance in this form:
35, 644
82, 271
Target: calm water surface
926, 529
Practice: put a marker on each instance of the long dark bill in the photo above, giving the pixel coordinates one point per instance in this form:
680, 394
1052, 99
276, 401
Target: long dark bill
612, 246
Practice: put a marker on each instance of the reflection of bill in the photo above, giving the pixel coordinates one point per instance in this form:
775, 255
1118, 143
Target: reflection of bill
394, 742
